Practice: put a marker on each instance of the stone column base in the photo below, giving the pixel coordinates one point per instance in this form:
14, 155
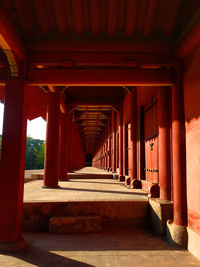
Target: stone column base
160, 212
115, 175
136, 184
121, 178
177, 234
127, 181
13, 246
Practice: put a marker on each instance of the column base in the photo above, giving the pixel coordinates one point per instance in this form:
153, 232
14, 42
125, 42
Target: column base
115, 176
127, 181
121, 178
136, 184
14, 246
50, 187
177, 234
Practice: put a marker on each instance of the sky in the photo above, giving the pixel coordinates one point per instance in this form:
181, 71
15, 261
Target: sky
35, 128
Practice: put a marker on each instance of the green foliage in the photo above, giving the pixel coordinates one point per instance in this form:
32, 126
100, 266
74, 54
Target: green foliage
35, 150
39, 162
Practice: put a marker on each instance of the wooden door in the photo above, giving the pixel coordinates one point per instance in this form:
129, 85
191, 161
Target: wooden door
151, 143
117, 150
129, 149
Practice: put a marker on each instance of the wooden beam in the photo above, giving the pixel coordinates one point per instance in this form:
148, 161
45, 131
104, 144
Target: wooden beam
11, 44
60, 16
190, 37
120, 20
95, 16
148, 22
9, 37
42, 16
101, 46
109, 102
78, 16
172, 12
68, 60
107, 77
52, 88
131, 17
112, 16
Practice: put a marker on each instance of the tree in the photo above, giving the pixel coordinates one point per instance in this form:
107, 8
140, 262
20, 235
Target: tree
39, 162
32, 150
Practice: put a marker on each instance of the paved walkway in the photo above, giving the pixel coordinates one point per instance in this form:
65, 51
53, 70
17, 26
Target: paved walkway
111, 249
83, 189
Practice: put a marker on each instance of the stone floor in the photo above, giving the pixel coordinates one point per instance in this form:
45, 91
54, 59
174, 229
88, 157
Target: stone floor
119, 249
82, 189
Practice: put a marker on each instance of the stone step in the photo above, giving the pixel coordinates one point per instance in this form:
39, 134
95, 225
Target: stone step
80, 224
36, 215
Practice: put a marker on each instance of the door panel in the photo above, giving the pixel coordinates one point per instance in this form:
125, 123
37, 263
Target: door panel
129, 150
151, 143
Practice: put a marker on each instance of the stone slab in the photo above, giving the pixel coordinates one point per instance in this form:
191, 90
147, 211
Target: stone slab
80, 224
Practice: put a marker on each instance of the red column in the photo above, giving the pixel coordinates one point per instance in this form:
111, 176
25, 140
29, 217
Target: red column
13, 162
133, 171
124, 150
72, 146
178, 151
109, 146
121, 176
52, 141
114, 141
164, 143
63, 140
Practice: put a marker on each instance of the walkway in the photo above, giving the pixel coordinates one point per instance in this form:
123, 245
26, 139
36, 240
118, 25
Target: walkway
83, 189
110, 249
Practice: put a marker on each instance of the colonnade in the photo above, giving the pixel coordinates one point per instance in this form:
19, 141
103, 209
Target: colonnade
172, 182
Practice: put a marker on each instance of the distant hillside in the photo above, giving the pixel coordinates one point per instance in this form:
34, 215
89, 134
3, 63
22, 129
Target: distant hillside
35, 150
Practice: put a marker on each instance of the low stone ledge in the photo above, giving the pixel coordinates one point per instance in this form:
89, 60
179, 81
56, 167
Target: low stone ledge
80, 224
160, 212
37, 176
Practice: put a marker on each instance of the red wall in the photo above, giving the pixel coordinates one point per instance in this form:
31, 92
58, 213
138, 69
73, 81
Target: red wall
192, 123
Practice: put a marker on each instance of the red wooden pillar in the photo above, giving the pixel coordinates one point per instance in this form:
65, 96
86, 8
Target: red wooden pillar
121, 176
109, 146
178, 151
12, 164
114, 141
72, 145
63, 151
51, 170
164, 143
133, 171
124, 150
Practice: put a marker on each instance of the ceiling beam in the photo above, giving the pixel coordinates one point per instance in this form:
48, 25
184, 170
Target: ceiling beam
101, 46
109, 102
66, 59
11, 44
190, 37
107, 77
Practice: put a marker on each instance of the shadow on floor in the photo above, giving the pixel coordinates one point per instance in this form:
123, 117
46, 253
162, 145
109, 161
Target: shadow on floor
102, 191
97, 182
